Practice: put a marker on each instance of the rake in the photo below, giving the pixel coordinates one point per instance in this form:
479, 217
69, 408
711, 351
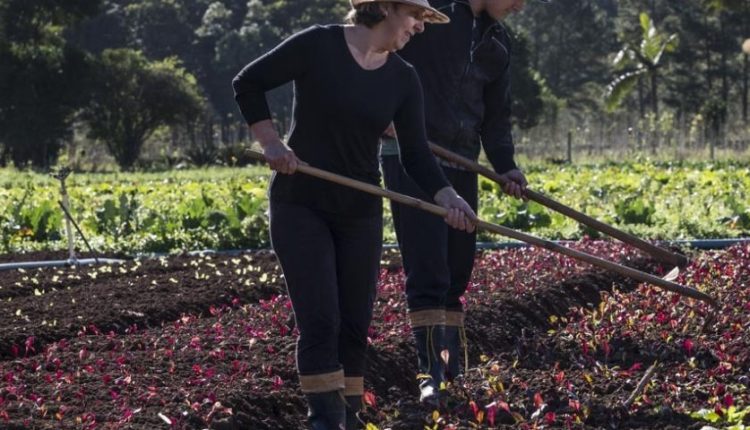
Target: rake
656, 252
664, 283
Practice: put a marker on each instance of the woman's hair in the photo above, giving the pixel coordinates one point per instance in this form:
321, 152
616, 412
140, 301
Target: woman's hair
367, 14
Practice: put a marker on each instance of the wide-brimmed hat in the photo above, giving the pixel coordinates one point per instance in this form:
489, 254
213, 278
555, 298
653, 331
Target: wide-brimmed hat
431, 15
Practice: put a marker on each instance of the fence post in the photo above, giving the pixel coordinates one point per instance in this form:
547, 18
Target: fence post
570, 147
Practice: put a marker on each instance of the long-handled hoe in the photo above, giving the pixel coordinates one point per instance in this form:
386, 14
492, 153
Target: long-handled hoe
664, 283
661, 254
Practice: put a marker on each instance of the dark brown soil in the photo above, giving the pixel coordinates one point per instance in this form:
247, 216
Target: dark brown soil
208, 342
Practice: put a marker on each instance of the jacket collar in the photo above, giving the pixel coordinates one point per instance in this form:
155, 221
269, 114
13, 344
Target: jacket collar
486, 22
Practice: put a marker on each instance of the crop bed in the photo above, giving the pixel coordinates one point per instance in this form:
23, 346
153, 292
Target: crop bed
208, 342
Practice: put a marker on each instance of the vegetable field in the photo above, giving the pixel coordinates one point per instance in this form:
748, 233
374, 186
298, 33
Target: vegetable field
208, 342
225, 208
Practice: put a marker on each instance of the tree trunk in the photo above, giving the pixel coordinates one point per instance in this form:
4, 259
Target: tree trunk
744, 89
225, 124
242, 133
209, 128
709, 83
190, 131
654, 95
641, 101
130, 152
746, 33
208, 131
558, 53
127, 148
724, 66
40, 157
655, 138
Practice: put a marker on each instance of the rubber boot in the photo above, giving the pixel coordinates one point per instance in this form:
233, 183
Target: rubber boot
353, 406
326, 411
428, 340
455, 343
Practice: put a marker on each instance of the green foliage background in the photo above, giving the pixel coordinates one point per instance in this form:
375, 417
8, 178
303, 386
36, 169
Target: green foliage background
54, 53
68, 68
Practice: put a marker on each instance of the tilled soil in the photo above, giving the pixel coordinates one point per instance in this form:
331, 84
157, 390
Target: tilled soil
208, 342
57, 303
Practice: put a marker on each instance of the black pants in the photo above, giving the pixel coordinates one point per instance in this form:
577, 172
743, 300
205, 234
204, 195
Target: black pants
438, 259
331, 266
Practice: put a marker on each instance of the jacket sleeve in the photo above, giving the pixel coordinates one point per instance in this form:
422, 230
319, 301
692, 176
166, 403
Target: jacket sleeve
497, 137
416, 156
286, 62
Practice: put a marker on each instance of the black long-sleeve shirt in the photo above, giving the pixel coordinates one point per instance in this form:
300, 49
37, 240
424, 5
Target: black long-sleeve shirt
465, 69
339, 112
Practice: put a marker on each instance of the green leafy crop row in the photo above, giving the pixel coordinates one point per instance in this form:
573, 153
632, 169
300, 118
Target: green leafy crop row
226, 208
653, 201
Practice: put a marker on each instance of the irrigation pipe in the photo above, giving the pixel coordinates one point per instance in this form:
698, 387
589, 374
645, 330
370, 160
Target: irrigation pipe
58, 263
697, 244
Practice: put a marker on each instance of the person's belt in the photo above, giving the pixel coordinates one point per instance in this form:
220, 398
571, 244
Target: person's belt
452, 165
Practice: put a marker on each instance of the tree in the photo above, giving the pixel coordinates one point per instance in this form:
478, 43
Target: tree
132, 97
527, 90
735, 5
42, 78
263, 26
159, 28
108, 29
569, 41
647, 59
224, 49
740, 11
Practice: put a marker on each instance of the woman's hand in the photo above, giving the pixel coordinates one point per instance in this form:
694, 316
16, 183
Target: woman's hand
460, 215
279, 156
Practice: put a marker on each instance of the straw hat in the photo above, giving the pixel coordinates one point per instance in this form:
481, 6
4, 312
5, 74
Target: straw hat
431, 14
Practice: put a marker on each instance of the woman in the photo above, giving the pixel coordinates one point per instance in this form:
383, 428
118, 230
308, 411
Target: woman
348, 88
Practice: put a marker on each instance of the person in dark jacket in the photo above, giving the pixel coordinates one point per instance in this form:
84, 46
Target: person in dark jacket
328, 238
465, 71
